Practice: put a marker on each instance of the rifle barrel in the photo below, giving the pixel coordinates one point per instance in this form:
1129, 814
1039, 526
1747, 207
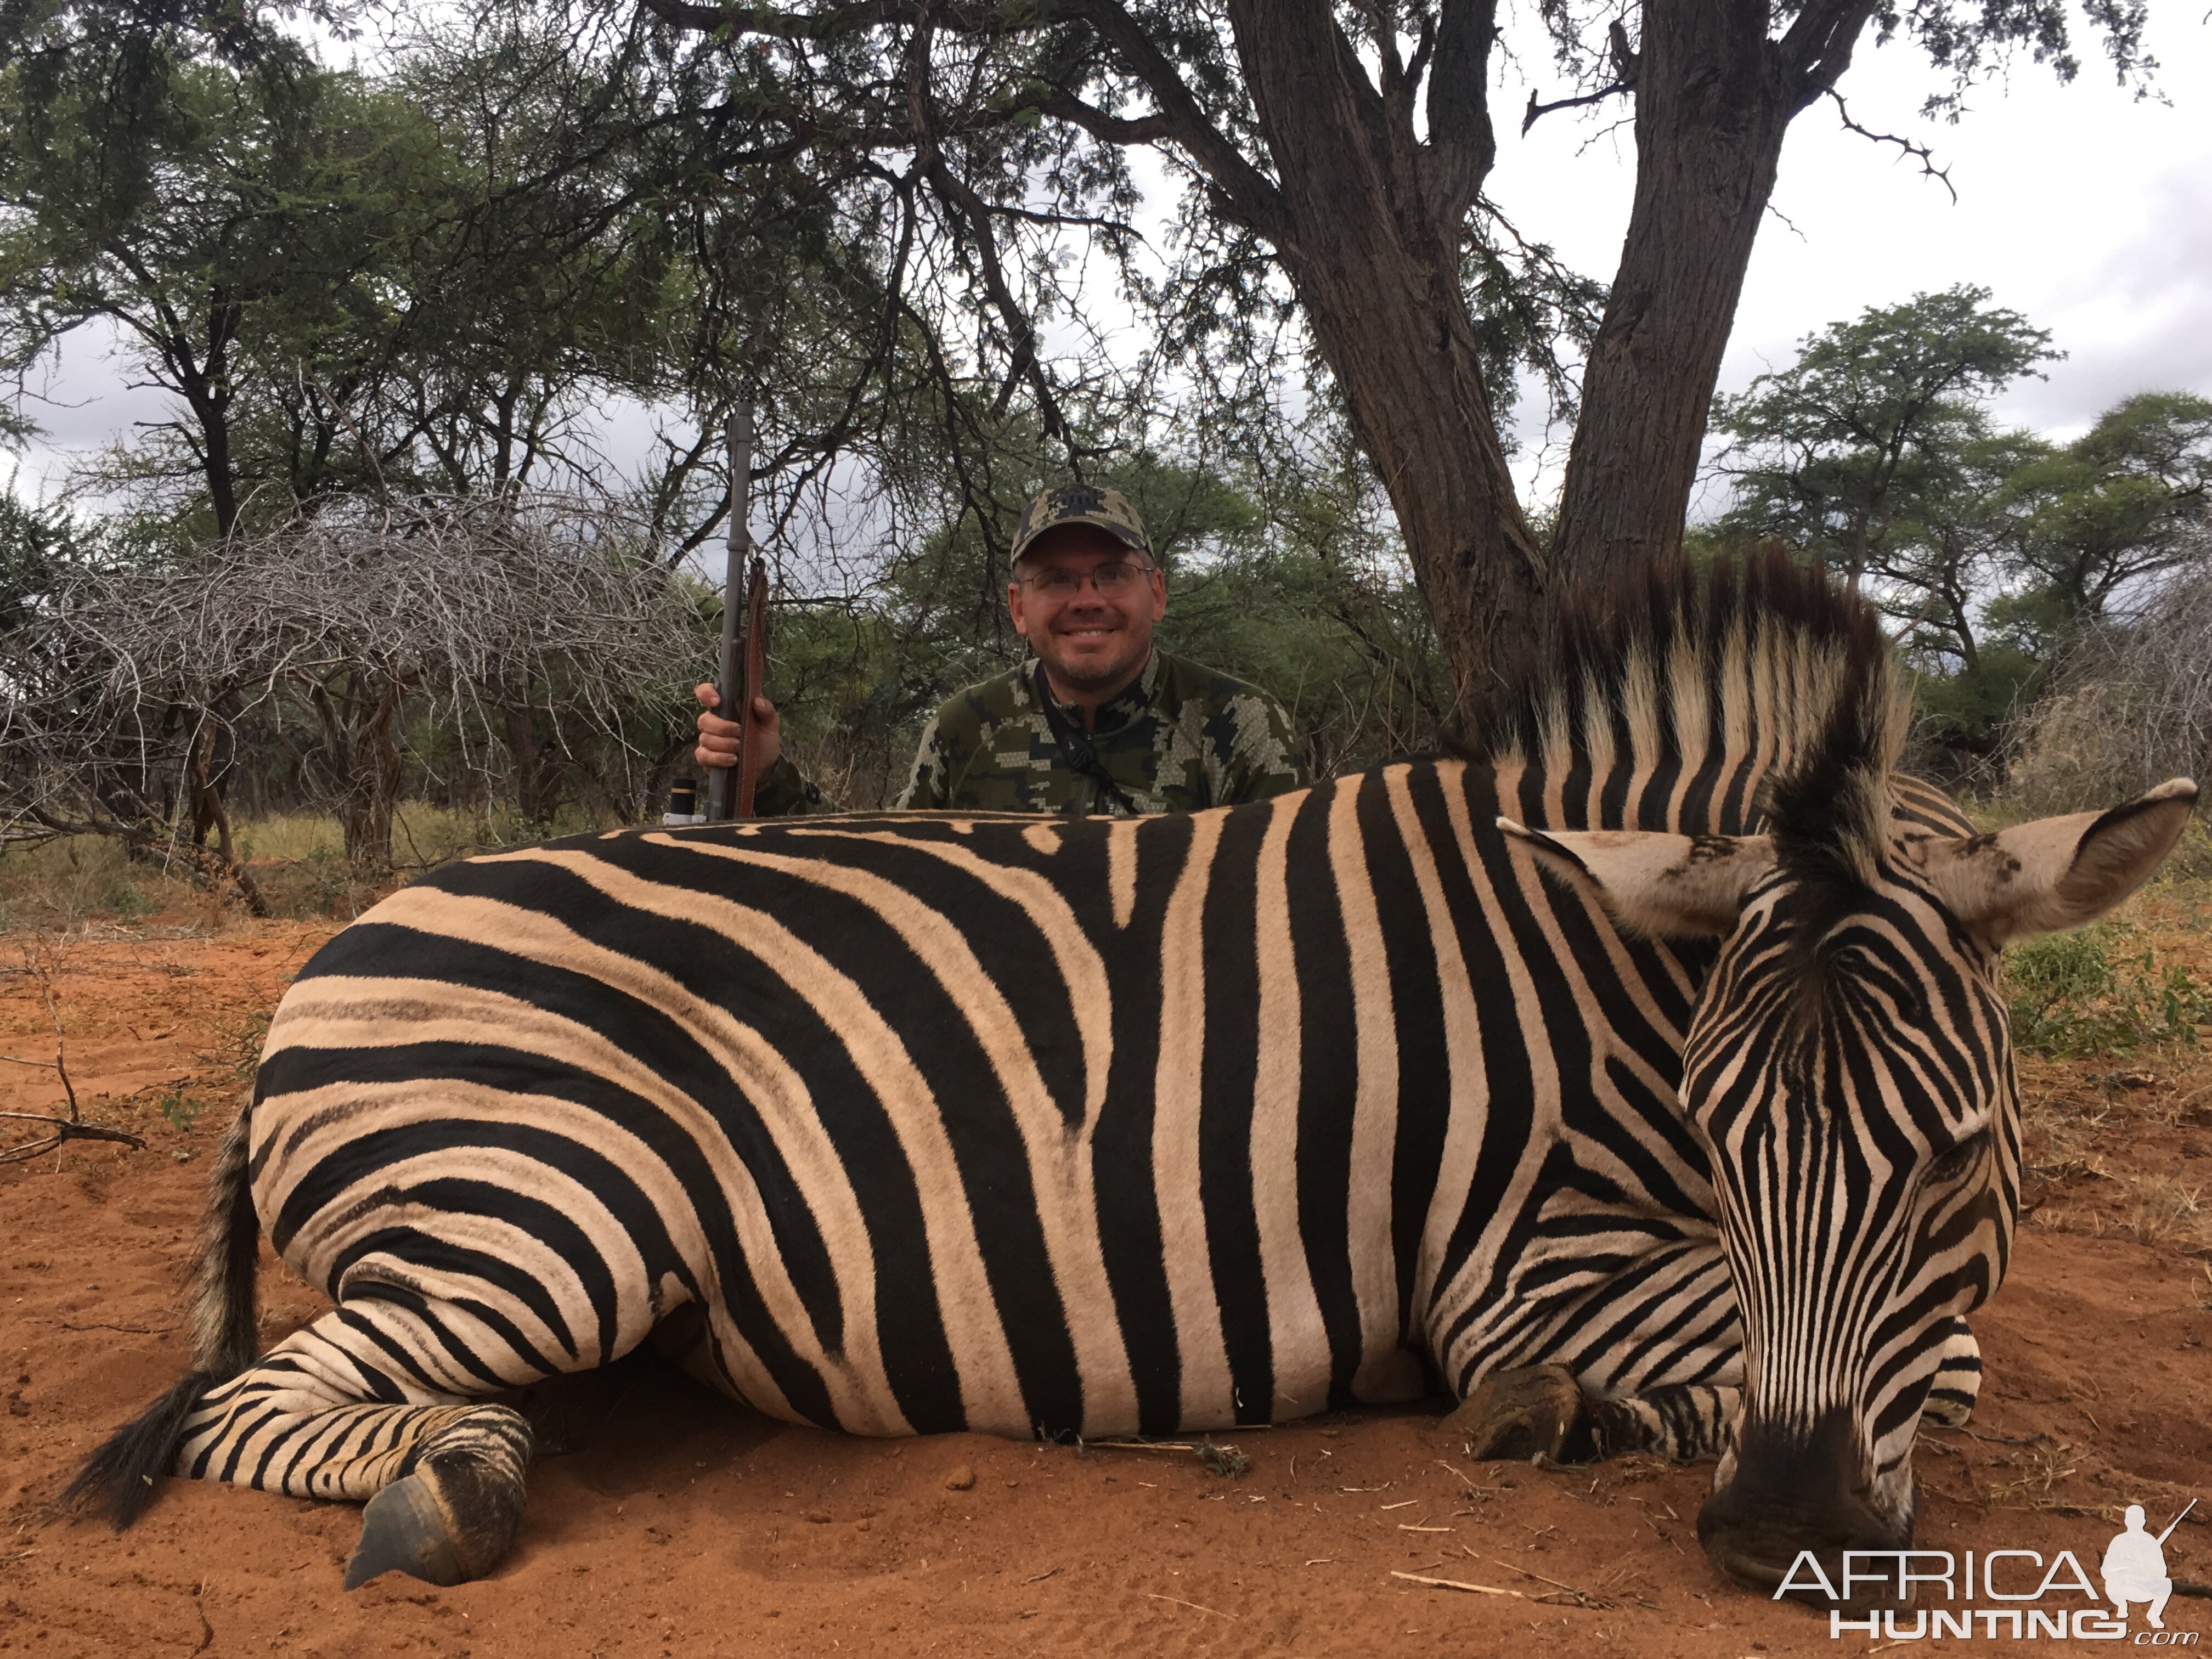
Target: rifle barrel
720, 793
2176, 1520
756, 677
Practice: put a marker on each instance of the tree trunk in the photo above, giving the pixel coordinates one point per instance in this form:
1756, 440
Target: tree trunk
1713, 99
207, 804
1370, 243
222, 479
537, 768
364, 750
373, 788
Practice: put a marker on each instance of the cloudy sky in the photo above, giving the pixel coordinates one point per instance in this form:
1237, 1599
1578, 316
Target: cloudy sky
2087, 209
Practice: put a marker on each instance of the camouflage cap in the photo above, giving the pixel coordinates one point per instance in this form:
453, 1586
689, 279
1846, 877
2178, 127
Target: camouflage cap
1109, 510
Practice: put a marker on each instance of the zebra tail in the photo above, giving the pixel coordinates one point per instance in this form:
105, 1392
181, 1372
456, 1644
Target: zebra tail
118, 1479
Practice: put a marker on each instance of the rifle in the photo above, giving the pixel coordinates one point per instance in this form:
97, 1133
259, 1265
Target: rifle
755, 675
2176, 1521
744, 665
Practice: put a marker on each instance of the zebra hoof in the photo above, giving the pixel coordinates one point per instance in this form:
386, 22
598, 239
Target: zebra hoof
1518, 1414
402, 1530
1946, 1408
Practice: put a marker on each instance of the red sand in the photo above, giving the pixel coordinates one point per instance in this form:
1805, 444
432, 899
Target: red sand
689, 1527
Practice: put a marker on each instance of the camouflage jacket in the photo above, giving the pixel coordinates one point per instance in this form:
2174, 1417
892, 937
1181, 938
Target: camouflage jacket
1180, 737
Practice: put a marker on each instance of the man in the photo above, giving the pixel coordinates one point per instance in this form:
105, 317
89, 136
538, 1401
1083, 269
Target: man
1100, 722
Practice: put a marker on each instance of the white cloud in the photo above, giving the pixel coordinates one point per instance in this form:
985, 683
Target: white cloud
2080, 206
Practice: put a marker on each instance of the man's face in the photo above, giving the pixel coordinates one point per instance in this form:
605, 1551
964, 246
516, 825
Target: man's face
1088, 641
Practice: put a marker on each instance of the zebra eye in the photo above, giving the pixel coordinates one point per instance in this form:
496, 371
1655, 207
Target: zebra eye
1960, 1158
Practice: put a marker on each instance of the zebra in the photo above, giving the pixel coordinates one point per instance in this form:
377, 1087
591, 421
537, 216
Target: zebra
1636, 1075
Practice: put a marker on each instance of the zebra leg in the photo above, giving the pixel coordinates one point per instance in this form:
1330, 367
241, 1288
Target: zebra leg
341, 1410
1531, 1411
1540, 1411
1957, 1384
1681, 1422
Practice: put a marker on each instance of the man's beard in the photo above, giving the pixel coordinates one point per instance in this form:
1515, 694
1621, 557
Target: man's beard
1110, 676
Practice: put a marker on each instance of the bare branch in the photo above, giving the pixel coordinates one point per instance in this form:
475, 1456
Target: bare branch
1537, 110
118, 692
1919, 152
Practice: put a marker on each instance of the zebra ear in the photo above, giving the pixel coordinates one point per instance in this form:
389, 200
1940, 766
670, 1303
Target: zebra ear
2051, 874
1668, 886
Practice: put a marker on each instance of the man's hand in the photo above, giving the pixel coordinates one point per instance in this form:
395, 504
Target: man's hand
718, 738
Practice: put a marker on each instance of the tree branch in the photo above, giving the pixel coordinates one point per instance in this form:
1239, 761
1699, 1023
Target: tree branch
959, 195
1919, 152
1817, 50
1062, 106
1536, 111
1248, 195
835, 23
1462, 145
1626, 64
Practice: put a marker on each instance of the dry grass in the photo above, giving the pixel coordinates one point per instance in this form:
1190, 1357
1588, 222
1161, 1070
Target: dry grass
2164, 1210
66, 885
297, 858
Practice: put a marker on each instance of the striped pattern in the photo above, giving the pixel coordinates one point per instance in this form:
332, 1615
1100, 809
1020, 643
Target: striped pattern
915, 1123
856, 1090
1868, 1160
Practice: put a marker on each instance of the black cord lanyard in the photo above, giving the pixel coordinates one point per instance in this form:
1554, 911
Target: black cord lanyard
1075, 747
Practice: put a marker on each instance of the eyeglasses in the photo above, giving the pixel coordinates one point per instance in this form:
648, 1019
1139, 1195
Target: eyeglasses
1110, 579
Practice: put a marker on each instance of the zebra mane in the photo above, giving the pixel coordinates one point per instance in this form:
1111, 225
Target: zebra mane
1766, 680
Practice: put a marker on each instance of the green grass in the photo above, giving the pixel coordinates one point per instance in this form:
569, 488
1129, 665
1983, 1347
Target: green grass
2190, 861
2102, 991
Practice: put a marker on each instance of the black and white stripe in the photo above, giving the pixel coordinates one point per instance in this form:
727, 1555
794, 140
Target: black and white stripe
916, 1123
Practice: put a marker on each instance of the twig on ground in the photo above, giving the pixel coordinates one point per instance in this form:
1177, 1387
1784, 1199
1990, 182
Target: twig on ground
64, 1129
34, 958
1455, 1584
134, 1330
72, 1127
1179, 1602
1483, 1492
1583, 1597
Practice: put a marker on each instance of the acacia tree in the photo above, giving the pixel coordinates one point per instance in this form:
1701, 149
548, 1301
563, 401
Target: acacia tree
1877, 432
345, 623
226, 220
1343, 148
2082, 522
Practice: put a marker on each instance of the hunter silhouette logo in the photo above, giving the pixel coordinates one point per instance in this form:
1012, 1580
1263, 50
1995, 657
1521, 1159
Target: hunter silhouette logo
2135, 1566
2009, 1593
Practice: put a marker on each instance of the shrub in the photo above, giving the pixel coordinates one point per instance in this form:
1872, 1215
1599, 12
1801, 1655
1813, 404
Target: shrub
2095, 992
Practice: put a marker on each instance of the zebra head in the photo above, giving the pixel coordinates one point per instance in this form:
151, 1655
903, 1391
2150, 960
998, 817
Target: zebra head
1849, 1071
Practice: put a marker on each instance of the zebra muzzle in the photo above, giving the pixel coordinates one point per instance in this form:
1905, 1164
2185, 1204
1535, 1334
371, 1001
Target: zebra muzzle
1795, 1491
